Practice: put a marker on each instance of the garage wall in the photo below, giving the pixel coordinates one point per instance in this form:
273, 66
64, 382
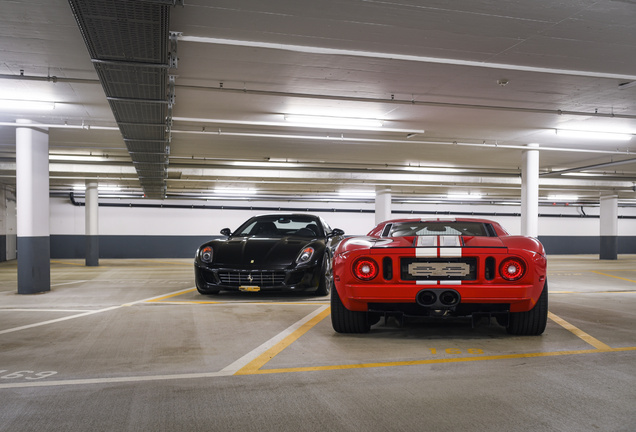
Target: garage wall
157, 230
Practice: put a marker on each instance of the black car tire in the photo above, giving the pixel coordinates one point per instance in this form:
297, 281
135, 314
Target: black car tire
532, 322
345, 321
324, 283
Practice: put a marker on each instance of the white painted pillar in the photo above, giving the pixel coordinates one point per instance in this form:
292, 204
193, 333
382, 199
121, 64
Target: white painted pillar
530, 192
609, 227
382, 204
32, 188
91, 205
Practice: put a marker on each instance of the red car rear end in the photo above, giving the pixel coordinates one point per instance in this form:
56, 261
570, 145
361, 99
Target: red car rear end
453, 267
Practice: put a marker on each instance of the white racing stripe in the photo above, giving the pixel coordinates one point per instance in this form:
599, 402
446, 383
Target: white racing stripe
438, 246
426, 247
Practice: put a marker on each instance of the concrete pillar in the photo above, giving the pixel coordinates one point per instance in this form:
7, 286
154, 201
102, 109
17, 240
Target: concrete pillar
609, 227
382, 204
32, 187
92, 223
530, 192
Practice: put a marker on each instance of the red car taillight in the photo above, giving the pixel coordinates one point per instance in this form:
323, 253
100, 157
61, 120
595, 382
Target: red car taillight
512, 269
365, 269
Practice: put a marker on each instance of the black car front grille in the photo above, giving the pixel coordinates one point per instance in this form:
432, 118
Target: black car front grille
255, 278
438, 269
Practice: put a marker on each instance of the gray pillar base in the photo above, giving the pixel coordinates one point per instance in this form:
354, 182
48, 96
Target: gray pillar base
92, 251
34, 265
609, 247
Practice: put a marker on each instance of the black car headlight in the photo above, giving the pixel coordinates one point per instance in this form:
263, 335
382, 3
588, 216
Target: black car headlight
305, 255
206, 255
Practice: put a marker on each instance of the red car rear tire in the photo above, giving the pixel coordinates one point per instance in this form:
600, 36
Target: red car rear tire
345, 321
532, 322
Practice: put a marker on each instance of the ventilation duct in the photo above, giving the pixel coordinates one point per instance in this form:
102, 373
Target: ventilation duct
132, 50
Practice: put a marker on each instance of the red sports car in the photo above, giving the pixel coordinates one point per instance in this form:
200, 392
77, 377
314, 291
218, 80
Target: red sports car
440, 267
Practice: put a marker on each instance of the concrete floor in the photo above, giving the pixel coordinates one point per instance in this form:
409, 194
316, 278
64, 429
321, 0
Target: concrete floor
131, 346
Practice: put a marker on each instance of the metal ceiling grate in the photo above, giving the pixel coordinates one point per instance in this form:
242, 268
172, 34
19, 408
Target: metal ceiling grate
153, 132
132, 51
132, 81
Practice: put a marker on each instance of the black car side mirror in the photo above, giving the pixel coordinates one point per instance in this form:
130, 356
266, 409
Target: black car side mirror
226, 232
337, 232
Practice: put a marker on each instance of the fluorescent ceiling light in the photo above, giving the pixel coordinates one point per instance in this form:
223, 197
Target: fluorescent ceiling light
565, 133
563, 197
235, 191
581, 174
326, 121
100, 188
14, 104
432, 169
266, 164
356, 193
464, 196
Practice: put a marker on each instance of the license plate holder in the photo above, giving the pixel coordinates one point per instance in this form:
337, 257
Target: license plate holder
249, 288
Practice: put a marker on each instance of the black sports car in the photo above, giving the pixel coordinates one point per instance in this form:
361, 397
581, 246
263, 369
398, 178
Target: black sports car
277, 252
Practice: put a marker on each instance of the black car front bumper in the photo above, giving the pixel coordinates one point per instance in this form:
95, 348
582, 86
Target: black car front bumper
230, 279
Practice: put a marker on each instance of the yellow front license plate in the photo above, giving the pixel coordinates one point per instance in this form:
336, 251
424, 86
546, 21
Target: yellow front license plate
249, 288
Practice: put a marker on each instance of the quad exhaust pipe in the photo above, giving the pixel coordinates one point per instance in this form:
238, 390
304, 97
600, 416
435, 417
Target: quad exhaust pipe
438, 298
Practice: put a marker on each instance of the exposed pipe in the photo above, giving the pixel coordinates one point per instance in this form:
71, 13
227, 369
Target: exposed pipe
335, 138
392, 100
325, 210
53, 79
602, 165
59, 126
394, 141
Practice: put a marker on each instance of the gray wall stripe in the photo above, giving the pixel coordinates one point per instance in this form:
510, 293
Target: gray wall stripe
73, 246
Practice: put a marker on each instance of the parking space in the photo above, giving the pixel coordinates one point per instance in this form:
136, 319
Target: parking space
138, 326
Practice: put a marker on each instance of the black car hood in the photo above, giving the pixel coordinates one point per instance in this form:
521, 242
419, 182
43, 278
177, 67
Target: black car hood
259, 251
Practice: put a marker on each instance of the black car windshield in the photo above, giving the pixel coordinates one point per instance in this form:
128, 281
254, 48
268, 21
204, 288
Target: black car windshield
452, 228
281, 226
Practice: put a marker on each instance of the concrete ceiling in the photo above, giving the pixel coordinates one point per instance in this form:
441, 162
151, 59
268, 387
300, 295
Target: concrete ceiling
461, 89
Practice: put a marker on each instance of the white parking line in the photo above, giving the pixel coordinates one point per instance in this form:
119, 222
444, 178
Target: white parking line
69, 283
83, 314
131, 379
28, 326
255, 353
227, 371
44, 310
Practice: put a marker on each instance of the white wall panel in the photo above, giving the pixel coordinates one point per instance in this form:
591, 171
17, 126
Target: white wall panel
67, 219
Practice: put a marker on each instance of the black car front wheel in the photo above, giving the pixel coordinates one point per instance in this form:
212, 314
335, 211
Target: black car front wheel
345, 321
324, 284
532, 322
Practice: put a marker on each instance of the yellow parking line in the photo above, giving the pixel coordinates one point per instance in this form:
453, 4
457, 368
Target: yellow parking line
158, 299
185, 264
254, 366
612, 276
578, 332
241, 302
432, 361
68, 263
184, 302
